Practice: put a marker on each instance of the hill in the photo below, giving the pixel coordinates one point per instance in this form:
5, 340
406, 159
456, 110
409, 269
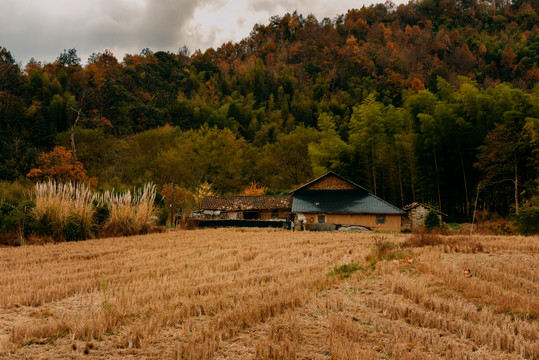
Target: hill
411, 101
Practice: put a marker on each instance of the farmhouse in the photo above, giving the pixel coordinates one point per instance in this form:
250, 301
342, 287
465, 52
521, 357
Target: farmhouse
263, 207
335, 200
416, 213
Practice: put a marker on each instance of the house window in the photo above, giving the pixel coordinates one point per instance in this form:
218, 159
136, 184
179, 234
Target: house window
274, 214
380, 219
321, 219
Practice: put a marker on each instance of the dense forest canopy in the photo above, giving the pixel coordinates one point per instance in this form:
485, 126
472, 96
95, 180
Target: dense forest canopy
417, 102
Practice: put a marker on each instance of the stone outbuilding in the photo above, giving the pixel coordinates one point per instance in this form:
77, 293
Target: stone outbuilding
415, 215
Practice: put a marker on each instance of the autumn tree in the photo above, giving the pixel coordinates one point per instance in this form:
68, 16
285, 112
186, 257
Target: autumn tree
58, 165
254, 189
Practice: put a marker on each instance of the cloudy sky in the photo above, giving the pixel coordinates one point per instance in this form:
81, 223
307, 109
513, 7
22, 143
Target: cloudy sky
44, 28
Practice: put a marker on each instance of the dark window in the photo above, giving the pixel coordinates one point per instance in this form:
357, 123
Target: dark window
321, 219
251, 215
274, 214
380, 219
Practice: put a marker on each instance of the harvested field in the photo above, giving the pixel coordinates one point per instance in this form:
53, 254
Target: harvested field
263, 294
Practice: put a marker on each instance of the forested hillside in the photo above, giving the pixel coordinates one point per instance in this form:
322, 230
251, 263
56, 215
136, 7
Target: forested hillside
417, 102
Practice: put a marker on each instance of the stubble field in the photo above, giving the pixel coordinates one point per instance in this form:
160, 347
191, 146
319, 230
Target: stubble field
257, 294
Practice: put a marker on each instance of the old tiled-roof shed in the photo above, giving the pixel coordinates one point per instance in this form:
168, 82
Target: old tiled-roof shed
333, 199
262, 207
416, 214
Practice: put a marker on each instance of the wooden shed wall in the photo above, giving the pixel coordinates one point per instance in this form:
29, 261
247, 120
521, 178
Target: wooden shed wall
266, 214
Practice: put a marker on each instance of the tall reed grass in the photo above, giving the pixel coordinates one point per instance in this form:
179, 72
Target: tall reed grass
130, 212
59, 203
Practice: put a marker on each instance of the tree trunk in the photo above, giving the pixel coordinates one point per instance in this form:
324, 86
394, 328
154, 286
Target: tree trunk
73, 148
410, 158
400, 184
516, 187
373, 166
475, 207
437, 181
465, 186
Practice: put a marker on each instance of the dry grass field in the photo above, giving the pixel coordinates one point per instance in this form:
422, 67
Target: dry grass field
258, 294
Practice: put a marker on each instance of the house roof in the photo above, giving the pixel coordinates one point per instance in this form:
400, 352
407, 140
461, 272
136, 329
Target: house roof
357, 201
239, 203
416, 204
326, 175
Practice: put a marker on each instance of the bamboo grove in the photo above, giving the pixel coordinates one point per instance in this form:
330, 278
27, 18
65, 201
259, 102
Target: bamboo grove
418, 102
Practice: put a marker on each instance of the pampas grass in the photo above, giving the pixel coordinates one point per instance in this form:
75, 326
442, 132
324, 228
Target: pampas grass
130, 212
57, 203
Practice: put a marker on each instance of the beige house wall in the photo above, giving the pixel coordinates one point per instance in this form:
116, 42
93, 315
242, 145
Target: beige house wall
392, 222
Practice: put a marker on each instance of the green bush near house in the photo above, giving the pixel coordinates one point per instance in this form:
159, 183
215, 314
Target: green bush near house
432, 220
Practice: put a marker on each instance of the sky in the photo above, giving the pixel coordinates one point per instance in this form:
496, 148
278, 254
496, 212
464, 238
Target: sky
42, 29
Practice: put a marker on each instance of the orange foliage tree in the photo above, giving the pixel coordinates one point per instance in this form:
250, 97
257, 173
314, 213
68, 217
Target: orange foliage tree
58, 165
254, 189
417, 85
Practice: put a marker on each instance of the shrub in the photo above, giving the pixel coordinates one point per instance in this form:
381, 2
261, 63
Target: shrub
101, 214
163, 215
345, 270
423, 239
384, 250
528, 220
12, 192
432, 220
15, 222
72, 230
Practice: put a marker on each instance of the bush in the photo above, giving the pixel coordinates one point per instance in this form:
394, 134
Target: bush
12, 192
528, 220
101, 214
345, 270
15, 222
72, 230
43, 226
432, 220
384, 250
423, 239
163, 215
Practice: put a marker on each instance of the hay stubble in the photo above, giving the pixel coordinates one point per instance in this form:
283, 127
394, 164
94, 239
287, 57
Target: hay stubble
266, 294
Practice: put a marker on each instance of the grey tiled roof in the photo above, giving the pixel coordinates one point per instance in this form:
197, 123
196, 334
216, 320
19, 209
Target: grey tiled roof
416, 204
238, 203
341, 201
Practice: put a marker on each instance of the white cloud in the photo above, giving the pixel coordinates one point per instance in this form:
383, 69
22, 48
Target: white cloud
43, 29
